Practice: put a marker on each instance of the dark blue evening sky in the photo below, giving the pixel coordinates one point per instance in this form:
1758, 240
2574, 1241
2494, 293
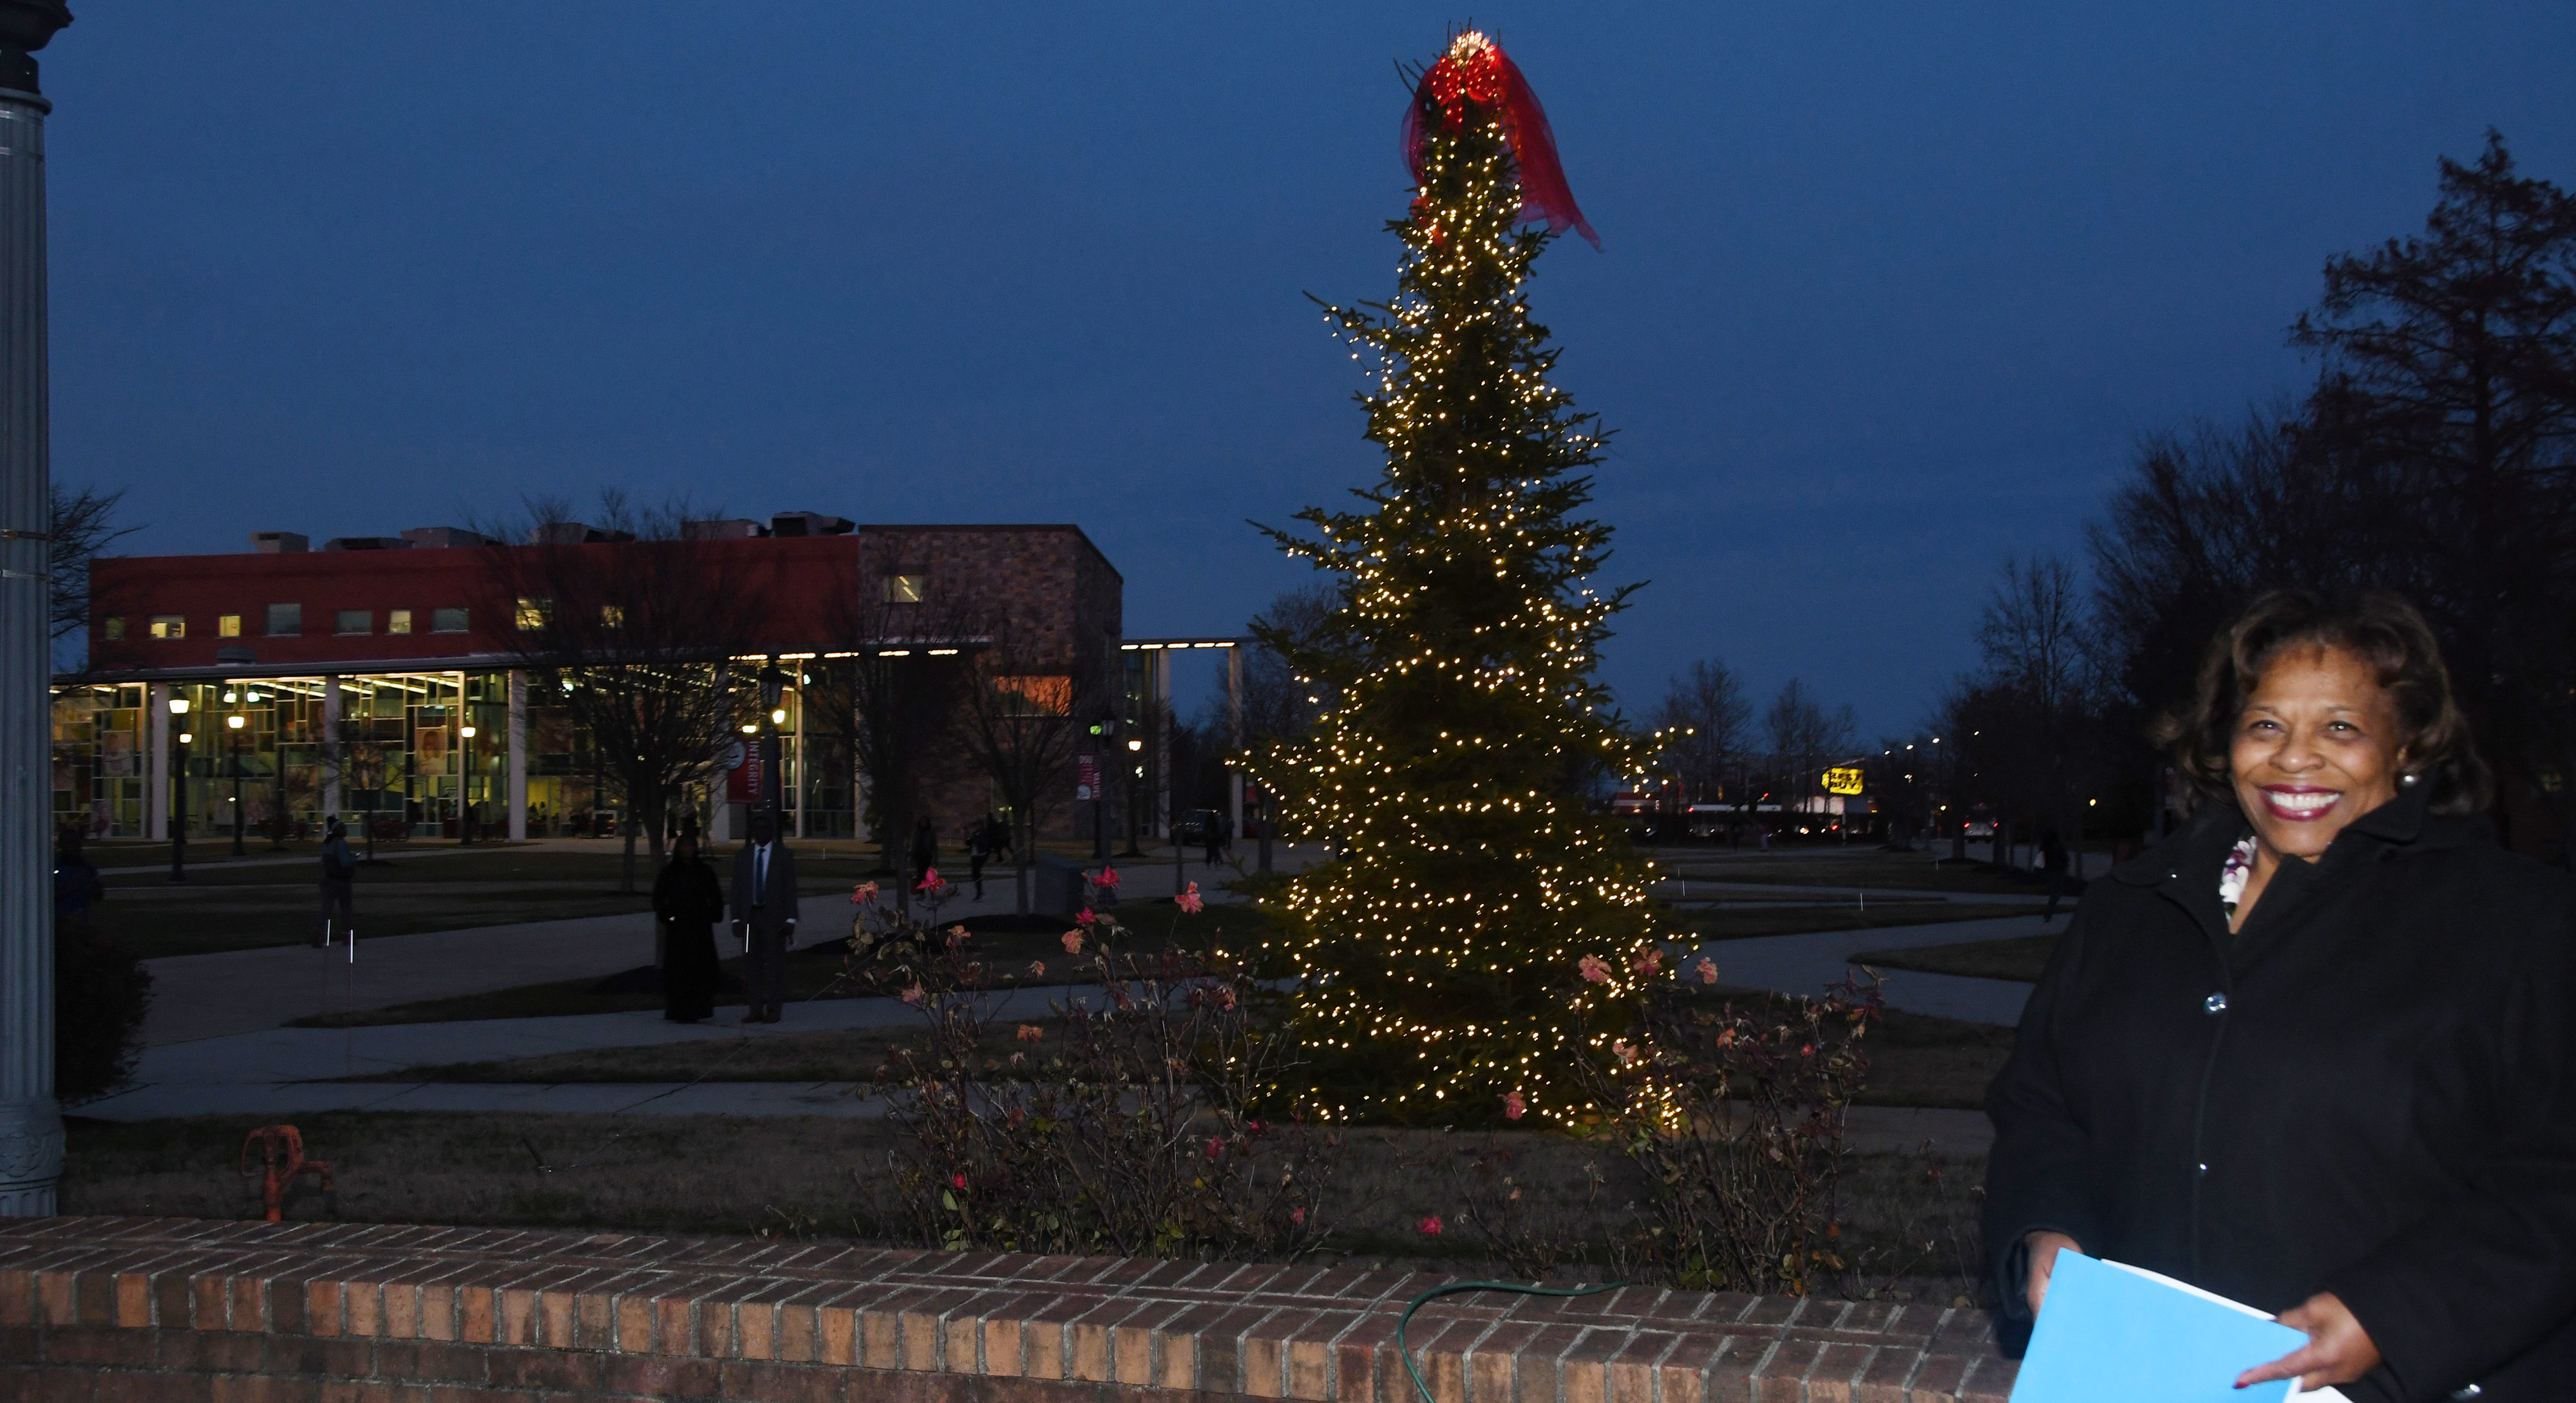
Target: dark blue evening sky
1889, 290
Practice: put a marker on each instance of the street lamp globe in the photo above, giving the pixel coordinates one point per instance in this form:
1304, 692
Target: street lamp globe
235, 722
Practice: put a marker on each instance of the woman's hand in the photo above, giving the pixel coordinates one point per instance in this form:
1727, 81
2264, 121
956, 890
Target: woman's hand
2043, 1248
2338, 1350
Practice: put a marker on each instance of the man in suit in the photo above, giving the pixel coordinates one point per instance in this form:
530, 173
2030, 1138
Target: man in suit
764, 913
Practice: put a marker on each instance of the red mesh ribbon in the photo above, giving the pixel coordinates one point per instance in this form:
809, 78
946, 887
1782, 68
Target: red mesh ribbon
1476, 71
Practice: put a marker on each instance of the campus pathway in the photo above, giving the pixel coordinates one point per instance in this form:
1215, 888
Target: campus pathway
239, 991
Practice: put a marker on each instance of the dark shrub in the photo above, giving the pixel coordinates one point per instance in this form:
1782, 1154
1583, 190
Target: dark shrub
100, 993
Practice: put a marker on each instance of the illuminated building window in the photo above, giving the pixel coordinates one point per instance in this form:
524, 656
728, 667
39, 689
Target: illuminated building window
398, 621
906, 589
533, 614
612, 616
1037, 696
355, 621
169, 626
447, 621
228, 626
285, 620
111, 628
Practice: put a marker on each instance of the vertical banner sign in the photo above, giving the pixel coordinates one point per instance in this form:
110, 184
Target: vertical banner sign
742, 782
1086, 776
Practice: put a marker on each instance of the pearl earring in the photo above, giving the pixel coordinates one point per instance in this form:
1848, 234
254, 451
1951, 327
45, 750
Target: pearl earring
2406, 780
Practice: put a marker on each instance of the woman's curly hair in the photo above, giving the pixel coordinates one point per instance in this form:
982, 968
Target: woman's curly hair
2377, 627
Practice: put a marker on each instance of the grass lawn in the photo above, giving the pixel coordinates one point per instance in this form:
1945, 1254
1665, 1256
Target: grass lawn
1736, 923
2021, 957
1913, 1218
816, 969
1873, 869
1915, 1060
432, 889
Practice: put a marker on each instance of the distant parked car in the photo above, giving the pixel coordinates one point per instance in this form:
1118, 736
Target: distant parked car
1978, 826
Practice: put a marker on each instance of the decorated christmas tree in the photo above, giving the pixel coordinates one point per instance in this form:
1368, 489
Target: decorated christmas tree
1481, 928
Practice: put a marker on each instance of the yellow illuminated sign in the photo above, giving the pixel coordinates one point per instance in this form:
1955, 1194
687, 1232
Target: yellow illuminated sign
1842, 780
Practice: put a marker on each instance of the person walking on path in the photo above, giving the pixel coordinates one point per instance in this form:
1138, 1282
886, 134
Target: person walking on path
979, 846
1212, 838
339, 883
925, 849
764, 911
2052, 862
688, 903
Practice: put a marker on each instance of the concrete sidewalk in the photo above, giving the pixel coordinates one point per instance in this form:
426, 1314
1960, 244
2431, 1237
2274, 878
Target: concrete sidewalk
239, 991
1805, 964
289, 1069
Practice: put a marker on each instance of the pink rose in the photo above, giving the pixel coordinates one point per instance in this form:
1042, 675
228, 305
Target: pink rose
1707, 970
1593, 969
863, 893
1030, 1032
959, 1181
1037, 969
1190, 900
1085, 917
1431, 1226
929, 880
1108, 877
1514, 1107
1646, 961
1297, 1215
913, 996
1073, 942
1625, 1053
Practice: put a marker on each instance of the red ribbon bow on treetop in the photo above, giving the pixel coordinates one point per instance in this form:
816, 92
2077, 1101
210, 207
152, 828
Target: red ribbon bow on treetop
1476, 70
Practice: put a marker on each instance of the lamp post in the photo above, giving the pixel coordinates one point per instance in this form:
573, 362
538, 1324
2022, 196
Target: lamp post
178, 797
31, 1121
1135, 778
232, 759
773, 689
464, 780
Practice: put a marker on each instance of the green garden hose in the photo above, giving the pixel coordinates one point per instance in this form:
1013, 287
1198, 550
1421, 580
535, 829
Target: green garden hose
1438, 1291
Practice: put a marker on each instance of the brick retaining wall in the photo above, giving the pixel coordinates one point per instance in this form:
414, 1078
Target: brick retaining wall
206, 1311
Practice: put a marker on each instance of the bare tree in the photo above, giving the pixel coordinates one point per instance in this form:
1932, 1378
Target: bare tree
2041, 677
1705, 723
1277, 703
1805, 738
1023, 717
83, 525
630, 623
895, 698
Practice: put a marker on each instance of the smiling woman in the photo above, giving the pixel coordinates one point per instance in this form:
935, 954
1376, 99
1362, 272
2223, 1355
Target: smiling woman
2315, 1052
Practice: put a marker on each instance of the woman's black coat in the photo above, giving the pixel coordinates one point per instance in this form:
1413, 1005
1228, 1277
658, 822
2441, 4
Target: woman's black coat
2368, 1090
688, 903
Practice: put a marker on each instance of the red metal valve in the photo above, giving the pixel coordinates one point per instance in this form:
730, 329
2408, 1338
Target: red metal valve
281, 1149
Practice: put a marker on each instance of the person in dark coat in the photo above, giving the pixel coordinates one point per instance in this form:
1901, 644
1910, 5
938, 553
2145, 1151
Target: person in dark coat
2315, 1052
2052, 863
339, 885
764, 911
925, 849
688, 903
76, 882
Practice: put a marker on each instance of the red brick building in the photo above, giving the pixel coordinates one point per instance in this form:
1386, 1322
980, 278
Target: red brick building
281, 651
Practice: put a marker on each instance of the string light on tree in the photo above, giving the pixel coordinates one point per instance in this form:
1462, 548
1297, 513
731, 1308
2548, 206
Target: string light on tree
1483, 929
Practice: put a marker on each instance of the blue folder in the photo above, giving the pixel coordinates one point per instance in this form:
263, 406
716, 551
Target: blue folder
2115, 1334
